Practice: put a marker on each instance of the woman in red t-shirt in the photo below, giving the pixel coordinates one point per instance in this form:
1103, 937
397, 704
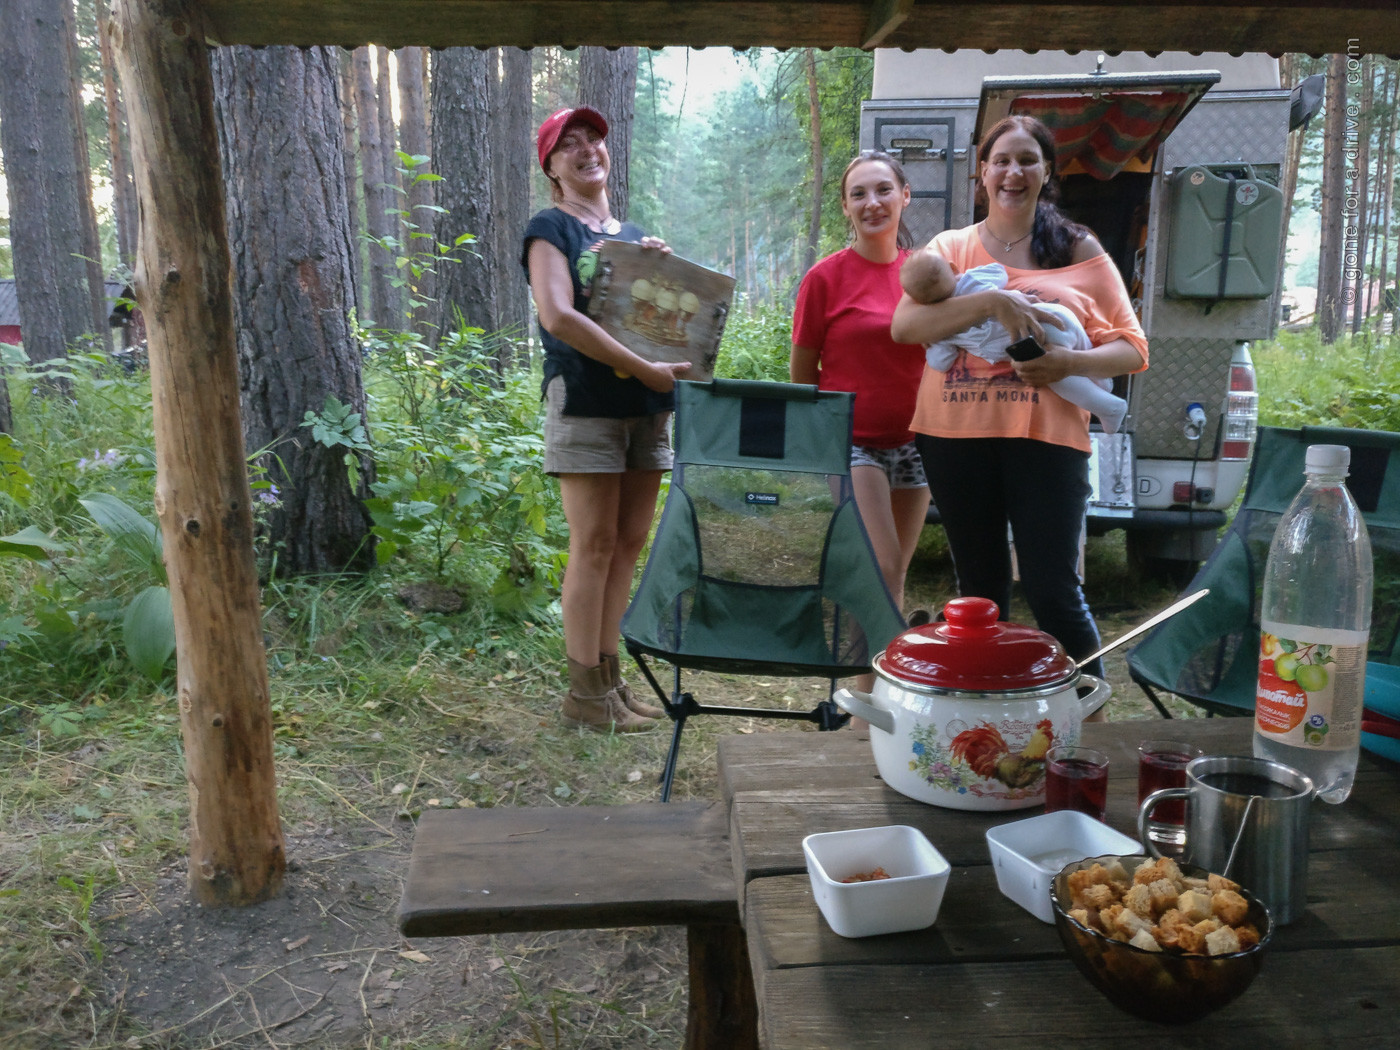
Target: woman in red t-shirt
841, 341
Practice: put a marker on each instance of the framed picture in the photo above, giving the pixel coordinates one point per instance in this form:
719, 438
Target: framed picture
660, 306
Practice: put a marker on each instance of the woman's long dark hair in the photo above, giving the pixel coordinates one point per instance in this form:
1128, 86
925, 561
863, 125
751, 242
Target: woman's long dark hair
1054, 234
904, 239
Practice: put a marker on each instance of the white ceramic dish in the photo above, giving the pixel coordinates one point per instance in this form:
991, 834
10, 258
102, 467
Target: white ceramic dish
908, 900
1028, 854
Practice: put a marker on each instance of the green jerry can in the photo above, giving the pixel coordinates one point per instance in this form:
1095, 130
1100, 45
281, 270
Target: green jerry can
1225, 232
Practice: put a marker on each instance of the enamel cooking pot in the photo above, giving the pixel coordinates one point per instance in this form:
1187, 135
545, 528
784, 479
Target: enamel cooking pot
963, 711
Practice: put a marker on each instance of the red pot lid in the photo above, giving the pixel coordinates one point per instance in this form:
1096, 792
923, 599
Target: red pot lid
972, 652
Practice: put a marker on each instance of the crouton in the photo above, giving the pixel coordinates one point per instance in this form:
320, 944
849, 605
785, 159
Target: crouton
1143, 939
1248, 935
1164, 894
1139, 900
1229, 907
1216, 883
1097, 897
1194, 904
1222, 941
1129, 922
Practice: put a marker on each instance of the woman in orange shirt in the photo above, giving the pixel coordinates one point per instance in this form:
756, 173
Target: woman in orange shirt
998, 447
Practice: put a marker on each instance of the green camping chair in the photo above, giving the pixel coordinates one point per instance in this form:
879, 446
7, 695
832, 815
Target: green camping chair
760, 564
1209, 653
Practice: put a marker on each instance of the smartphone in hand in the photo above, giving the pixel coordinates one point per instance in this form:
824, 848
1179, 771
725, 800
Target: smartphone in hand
1026, 349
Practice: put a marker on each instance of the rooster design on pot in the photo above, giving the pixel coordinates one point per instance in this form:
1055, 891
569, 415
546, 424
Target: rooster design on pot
986, 752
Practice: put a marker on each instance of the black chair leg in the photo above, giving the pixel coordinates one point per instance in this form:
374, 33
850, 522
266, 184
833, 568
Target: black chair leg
668, 772
1156, 701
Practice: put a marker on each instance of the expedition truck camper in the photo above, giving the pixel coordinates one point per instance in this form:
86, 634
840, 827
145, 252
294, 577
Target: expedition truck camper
1174, 161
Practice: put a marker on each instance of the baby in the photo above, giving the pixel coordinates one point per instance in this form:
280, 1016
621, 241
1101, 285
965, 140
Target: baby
927, 278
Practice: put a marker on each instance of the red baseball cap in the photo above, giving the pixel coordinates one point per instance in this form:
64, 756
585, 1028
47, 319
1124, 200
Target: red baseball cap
548, 135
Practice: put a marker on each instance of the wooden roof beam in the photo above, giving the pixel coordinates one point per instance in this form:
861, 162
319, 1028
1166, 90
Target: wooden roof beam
1273, 26
885, 17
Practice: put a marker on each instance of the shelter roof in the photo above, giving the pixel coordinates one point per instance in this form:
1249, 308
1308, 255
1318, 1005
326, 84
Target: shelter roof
1237, 26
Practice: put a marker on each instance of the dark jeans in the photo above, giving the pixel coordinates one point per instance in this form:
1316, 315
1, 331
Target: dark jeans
979, 486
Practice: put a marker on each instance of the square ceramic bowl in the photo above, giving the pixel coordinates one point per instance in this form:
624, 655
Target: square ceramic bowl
907, 900
1028, 854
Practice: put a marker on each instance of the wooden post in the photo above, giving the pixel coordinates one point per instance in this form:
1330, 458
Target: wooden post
723, 1010
202, 496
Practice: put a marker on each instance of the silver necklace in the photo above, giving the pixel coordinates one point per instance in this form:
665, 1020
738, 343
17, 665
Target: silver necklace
604, 224
1006, 245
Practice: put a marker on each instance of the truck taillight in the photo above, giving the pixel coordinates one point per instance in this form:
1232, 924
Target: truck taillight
1241, 414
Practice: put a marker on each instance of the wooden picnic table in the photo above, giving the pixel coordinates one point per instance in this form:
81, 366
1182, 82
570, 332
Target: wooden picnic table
989, 973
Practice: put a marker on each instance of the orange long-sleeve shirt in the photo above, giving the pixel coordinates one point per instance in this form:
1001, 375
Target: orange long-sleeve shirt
976, 399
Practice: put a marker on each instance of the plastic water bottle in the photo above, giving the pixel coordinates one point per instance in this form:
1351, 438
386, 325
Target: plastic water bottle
1315, 622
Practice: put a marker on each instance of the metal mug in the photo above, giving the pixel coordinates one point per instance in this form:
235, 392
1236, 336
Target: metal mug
1258, 839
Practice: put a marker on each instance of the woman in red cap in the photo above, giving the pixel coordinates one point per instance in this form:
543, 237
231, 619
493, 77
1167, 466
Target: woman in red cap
606, 432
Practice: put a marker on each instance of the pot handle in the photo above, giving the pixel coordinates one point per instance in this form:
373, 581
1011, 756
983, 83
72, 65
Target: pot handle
1145, 812
846, 699
1096, 697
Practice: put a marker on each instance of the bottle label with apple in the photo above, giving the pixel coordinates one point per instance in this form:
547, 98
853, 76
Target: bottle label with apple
1311, 681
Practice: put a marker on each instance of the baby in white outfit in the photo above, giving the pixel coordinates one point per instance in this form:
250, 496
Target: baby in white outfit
928, 278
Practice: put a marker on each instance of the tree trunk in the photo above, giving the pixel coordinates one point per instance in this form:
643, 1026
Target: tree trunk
393, 199
1387, 194
1292, 158
92, 245
462, 151
47, 188
378, 223
1358, 141
513, 143
414, 140
354, 198
814, 139
123, 189
279, 129
202, 499
607, 81
1329, 265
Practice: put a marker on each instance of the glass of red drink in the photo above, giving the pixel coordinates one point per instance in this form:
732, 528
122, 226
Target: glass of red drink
1076, 778
1162, 764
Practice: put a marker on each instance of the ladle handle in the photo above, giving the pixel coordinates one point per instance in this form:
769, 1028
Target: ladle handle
1146, 625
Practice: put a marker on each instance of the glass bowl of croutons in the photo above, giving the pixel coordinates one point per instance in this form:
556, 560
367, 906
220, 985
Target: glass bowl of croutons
1166, 941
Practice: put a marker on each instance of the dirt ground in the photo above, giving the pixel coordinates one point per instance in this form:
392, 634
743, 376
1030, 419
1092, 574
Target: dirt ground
323, 965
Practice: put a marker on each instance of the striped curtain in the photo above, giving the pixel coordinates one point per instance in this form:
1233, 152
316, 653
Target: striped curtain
1106, 132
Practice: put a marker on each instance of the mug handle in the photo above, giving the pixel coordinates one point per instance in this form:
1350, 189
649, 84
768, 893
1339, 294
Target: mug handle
1096, 697
861, 708
1145, 812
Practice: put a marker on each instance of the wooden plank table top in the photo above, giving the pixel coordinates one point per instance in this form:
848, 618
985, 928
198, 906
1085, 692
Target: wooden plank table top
989, 973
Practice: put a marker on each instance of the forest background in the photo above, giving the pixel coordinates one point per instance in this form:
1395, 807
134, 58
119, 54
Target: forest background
410, 549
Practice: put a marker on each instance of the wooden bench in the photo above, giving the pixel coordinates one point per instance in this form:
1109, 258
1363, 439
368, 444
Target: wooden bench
516, 869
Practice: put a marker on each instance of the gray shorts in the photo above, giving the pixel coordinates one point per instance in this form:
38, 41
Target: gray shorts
600, 445
901, 465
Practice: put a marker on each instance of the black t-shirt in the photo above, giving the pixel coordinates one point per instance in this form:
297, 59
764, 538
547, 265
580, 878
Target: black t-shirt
592, 388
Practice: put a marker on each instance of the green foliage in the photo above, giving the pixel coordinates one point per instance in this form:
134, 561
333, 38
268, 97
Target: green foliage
757, 344
459, 490
337, 424
418, 255
1355, 382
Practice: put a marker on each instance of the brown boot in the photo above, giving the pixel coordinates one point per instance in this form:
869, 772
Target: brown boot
633, 704
592, 703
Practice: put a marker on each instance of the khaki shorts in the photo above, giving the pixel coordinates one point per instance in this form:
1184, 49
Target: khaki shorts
601, 445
